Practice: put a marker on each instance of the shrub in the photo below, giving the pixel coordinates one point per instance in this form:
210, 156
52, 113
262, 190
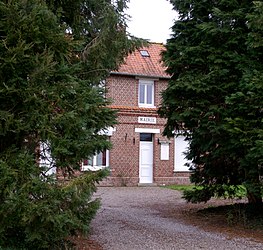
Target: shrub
40, 213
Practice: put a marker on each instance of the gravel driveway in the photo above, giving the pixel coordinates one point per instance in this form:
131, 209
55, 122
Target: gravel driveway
136, 218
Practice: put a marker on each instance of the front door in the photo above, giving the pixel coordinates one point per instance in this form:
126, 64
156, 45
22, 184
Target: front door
146, 158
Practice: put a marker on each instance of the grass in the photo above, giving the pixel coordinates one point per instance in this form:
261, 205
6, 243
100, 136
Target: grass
230, 191
181, 187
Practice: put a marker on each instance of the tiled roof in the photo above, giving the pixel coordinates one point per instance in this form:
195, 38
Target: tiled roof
148, 66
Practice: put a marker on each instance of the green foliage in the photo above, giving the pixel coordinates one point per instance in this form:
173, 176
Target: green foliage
39, 213
54, 56
215, 58
181, 187
204, 193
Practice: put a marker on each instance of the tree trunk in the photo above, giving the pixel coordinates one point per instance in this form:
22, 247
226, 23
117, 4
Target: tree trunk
254, 197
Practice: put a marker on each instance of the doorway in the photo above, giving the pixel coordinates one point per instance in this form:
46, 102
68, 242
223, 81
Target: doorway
146, 158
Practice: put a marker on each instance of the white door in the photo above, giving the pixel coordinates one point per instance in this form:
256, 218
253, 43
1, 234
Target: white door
146, 162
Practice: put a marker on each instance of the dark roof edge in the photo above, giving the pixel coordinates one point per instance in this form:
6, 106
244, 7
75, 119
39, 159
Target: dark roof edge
139, 75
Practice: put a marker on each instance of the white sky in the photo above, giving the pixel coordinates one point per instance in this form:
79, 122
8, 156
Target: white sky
151, 19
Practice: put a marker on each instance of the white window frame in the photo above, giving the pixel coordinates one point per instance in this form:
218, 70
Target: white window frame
95, 166
144, 103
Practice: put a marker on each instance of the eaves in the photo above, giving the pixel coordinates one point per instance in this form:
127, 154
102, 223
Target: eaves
140, 75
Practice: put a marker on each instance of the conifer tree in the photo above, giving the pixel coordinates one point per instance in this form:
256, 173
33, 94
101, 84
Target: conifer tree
215, 95
54, 56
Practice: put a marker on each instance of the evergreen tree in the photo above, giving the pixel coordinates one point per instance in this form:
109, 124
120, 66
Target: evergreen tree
54, 56
215, 95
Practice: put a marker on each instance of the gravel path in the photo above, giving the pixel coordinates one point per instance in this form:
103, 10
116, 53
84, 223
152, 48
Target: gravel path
134, 218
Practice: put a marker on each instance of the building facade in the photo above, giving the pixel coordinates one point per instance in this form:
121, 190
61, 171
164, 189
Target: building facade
140, 154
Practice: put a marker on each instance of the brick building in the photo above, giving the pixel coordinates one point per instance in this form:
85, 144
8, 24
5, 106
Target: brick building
140, 154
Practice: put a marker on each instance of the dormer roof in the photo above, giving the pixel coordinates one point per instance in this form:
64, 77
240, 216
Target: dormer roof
144, 62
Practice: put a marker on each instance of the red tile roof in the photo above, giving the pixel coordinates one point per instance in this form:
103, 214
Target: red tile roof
147, 66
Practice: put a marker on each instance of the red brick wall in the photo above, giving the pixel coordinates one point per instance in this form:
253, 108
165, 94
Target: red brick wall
160, 86
124, 155
123, 90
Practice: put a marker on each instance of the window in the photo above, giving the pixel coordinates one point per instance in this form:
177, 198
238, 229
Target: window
146, 137
144, 53
102, 86
96, 162
146, 93
45, 159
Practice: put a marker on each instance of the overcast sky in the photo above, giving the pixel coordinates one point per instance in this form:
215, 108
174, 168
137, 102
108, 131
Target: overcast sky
151, 19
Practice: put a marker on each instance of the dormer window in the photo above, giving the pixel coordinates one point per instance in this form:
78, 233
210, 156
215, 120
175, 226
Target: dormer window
144, 53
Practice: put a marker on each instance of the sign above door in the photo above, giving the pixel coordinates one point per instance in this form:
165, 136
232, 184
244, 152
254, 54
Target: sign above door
147, 120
